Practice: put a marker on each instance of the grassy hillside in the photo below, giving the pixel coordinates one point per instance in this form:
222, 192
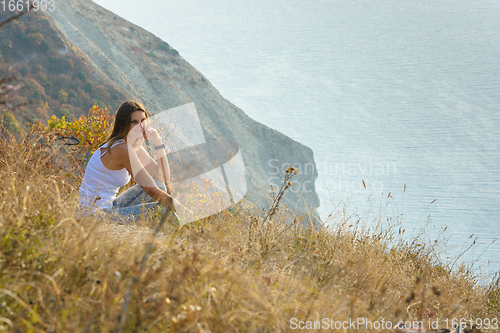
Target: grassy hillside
227, 273
56, 77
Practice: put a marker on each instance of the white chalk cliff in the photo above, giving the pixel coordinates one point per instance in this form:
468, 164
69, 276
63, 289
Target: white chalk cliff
149, 70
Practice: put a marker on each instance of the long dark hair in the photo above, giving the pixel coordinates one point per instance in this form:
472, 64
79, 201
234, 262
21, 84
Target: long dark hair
123, 118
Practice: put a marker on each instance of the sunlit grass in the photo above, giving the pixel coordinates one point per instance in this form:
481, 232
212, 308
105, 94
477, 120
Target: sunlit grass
232, 272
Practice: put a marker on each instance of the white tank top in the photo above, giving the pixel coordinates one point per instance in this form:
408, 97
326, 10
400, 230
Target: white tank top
100, 184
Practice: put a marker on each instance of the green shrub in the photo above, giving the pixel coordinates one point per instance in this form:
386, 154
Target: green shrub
153, 55
24, 70
82, 76
66, 113
89, 87
63, 96
11, 123
89, 132
44, 46
35, 68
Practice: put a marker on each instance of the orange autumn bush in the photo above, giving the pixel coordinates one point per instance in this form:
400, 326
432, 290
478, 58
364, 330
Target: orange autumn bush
78, 139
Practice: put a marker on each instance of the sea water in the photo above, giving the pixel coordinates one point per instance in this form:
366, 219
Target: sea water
398, 100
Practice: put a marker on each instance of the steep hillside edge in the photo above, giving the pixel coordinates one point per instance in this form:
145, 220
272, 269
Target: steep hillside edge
150, 70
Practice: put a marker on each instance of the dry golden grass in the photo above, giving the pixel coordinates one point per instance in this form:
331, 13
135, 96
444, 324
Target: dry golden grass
227, 273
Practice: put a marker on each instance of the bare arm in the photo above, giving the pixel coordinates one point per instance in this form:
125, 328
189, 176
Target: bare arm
131, 161
158, 168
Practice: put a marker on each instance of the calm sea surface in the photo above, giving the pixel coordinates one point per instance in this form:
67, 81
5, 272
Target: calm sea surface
387, 92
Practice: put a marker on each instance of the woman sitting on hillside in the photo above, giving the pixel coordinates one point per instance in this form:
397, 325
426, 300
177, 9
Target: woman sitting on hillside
121, 156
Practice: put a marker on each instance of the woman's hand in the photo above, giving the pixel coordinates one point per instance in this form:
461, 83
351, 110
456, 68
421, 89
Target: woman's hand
153, 135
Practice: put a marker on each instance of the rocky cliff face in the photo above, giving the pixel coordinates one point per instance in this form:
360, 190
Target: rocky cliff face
154, 73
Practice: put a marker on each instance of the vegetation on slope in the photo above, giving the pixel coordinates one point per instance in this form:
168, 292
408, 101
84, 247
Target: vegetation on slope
56, 78
232, 272
228, 273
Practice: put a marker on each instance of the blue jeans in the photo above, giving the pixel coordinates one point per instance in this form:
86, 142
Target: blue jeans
133, 202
